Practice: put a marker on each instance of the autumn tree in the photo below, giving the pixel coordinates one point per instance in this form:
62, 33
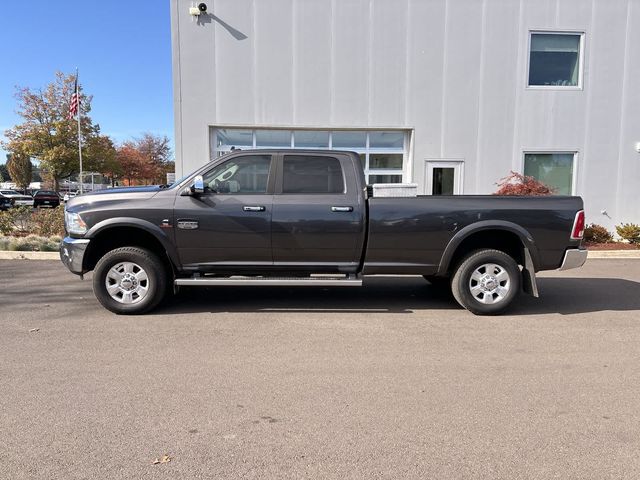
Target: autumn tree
49, 135
145, 160
131, 162
518, 184
20, 169
156, 151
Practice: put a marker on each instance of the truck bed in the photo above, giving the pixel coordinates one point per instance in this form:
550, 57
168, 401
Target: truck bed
410, 235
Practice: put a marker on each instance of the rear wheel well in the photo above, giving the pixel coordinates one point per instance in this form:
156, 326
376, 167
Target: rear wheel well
503, 240
116, 237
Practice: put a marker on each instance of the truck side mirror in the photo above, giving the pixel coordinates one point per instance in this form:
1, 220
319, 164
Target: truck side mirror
198, 185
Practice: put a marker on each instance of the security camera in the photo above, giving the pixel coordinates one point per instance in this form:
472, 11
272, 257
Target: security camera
196, 11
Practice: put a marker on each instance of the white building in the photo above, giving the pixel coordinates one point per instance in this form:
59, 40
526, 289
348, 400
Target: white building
449, 94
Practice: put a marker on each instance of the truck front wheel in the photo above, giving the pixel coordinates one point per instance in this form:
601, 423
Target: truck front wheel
486, 282
129, 280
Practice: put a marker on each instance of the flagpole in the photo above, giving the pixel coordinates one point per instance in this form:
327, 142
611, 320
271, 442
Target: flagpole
79, 135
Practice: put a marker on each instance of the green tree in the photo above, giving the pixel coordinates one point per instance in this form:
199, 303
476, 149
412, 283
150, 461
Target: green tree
20, 169
4, 173
48, 134
103, 157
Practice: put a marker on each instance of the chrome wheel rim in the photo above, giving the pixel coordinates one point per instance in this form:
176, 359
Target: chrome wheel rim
127, 283
489, 283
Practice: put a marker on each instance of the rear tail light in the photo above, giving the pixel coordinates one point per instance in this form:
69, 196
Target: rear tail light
577, 232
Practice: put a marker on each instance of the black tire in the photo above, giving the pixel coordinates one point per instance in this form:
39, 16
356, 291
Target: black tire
144, 295
489, 292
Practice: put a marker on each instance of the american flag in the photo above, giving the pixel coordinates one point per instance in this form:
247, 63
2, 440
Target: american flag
75, 101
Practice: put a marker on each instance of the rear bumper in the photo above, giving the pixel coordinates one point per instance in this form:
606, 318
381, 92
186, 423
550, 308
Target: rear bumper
573, 258
72, 253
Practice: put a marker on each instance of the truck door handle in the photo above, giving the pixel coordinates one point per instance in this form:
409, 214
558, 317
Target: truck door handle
254, 208
342, 209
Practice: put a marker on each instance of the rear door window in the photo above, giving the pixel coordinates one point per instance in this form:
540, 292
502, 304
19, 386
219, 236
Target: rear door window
312, 174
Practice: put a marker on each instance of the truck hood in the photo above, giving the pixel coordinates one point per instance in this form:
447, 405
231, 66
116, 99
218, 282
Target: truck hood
114, 195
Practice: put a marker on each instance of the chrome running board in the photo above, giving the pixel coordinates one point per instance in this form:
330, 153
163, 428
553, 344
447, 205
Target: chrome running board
239, 281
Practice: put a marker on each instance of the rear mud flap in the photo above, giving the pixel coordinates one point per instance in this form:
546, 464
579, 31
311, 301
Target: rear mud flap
529, 284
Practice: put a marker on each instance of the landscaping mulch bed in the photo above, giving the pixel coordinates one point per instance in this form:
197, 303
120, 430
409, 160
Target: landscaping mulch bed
612, 246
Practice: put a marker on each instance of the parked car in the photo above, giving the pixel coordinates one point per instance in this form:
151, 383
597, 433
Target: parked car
5, 202
306, 218
18, 199
69, 195
46, 198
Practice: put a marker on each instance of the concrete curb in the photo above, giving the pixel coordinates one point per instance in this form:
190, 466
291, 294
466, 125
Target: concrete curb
593, 254
6, 255
613, 254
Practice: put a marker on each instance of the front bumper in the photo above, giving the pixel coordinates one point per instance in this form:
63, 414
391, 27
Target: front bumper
72, 253
573, 258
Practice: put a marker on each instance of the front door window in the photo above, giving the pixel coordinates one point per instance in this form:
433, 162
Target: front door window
247, 174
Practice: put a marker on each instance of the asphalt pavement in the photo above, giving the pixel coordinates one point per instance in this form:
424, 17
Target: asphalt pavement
392, 380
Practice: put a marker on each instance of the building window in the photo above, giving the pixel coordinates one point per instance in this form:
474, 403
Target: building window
556, 170
383, 153
555, 59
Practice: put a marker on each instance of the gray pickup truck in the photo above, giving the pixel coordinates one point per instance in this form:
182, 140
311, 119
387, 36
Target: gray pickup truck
307, 218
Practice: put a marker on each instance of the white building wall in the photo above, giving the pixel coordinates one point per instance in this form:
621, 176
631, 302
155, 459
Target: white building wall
452, 71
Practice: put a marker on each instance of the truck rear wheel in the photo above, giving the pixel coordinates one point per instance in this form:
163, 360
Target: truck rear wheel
486, 282
130, 280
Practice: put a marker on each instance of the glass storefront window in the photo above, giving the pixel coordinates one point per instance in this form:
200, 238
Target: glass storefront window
382, 153
273, 138
349, 140
385, 161
311, 139
228, 138
378, 139
553, 169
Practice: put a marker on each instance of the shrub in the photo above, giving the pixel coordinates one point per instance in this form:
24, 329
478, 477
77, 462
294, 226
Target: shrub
48, 222
16, 219
6, 225
22, 220
629, 232
30, 243
595, 233
518, 184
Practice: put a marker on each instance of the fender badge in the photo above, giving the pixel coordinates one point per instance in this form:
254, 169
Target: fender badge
187, 224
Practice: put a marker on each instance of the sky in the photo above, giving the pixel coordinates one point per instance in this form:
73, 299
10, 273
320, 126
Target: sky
122, 49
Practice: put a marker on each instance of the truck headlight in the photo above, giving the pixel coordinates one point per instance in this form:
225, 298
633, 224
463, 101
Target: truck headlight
74, 223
